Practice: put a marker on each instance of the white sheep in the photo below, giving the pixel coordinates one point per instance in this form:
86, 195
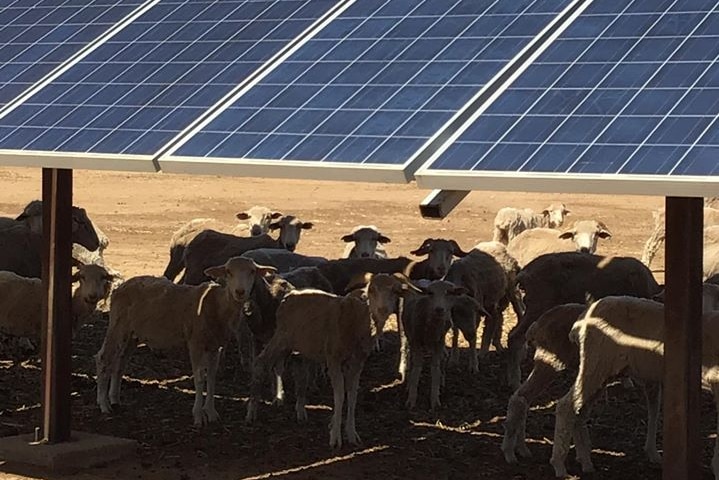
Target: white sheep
253, 222
510, 222
623, 335
365, 241
165, 315
326, 328
582, 237
656, 239
21, 300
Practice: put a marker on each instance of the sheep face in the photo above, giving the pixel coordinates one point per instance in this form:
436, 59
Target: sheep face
439, 255
383, 294
238, 275
554, 215
290, 229
95, 283
585, 235
365, 239
258, 219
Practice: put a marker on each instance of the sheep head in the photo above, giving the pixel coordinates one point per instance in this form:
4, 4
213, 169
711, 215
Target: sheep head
439, 255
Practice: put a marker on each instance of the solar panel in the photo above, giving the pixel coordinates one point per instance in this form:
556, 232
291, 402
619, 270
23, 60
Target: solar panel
155, 77
629, 91
40, 35
372, 87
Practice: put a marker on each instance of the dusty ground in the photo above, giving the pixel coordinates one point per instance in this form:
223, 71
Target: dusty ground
139, 213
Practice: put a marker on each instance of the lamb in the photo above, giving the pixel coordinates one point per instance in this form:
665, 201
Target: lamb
210, 248
322, 327
426, 318
486, 282
283, 260
21, 244
567, 277
511, 268
616, 335
365, 241
656, 239
21, 300
510, 222
166, 315
582, 237
255, 221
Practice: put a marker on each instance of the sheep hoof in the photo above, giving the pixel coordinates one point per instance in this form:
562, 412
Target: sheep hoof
210, 415
335, 439
353, 438
301, 415
524, 451
278, 402
251, 414
654, 457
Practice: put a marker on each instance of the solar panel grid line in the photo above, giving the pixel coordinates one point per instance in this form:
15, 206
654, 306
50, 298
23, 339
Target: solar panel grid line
557, 80
252, 80
77, 57
651, 77
532, 52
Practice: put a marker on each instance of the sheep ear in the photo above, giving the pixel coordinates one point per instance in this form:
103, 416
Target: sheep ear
456, 250
359, 280
263, 270
382, 239
566, 235
242, 216
76, 277
459, 291
424, 249
348, 238
604, 231
306, 225
275, 225
216, 273
275, 215
77, 263
566, 212
406, 284
545, 213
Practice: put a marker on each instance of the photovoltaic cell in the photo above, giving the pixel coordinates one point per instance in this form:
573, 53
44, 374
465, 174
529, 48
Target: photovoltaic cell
631, 87
151, 80
375, 84
36, 36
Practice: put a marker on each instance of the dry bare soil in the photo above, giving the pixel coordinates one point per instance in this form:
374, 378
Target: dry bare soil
139, 212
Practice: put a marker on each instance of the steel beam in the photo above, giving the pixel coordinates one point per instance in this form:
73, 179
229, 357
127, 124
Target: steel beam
57, 315
683, 338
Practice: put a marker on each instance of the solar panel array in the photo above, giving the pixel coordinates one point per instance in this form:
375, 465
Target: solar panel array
38, 36
630, 88
376, 83
150, 81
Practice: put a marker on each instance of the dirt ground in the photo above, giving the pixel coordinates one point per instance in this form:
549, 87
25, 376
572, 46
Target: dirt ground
139, 212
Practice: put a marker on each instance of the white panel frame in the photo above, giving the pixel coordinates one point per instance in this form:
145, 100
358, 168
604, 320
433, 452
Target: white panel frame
79, 160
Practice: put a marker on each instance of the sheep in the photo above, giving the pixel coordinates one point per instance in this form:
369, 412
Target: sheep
255, 221
439, 254
21, 246
510, 222
365, 241
214, 248
426, 318
567, 277
582, 237
21, 300
322, 327
283, 260
711, 260
656, 239
342, 273
165, 315
511, 268
485, 281
616, 335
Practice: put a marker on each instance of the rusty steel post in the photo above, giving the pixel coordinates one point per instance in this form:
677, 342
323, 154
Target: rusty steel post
57, 315
683, 338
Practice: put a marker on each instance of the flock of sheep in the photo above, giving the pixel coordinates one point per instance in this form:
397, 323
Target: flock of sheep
601, 316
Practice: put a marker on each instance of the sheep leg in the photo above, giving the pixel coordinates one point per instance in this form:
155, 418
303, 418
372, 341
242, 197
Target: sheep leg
208, 409
199, 373
653, 393
119, 370
517, 304
352, 377
278, 384
541, 376
498, 327
103, 368
582, 440
490, 326
415, 369
302, 379
436, 375
338, 389
517, 350
265, 361
403, 355
245, 345
454, 352
652, 246
565, 418
470, 334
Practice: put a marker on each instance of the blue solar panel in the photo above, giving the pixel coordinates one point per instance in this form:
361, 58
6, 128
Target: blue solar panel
36, 36
375, 84
631, 87
136, 92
